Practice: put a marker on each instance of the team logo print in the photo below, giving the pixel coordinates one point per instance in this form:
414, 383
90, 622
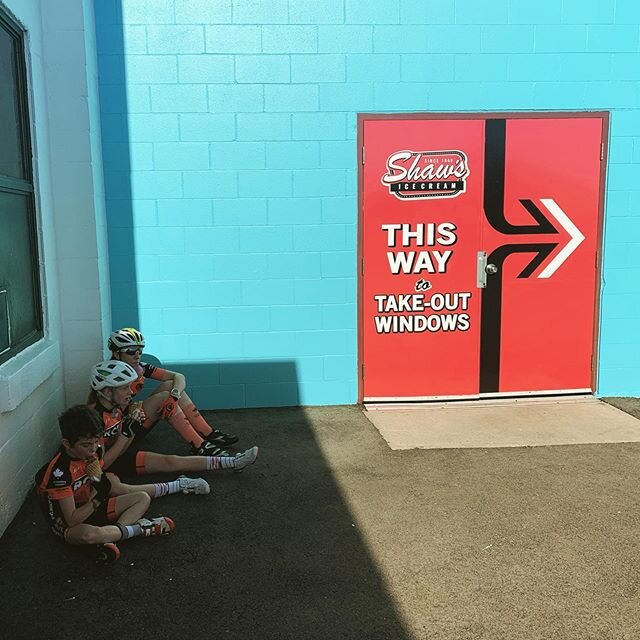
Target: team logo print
426, 174
57, 473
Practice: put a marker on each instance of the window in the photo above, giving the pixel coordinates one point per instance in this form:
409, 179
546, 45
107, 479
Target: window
20, 300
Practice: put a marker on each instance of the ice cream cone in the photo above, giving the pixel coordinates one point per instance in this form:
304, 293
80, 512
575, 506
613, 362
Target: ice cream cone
93, 468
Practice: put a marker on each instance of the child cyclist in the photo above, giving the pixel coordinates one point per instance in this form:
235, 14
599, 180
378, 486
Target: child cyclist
110, 382
85, 506
168, 399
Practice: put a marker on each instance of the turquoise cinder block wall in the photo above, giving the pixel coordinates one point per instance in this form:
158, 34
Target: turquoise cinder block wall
229, 136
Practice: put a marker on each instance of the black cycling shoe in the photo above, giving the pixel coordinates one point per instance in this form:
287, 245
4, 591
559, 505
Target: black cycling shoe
221, 439
209, 449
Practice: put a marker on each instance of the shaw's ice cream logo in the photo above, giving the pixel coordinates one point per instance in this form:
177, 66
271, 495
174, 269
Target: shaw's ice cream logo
426, 174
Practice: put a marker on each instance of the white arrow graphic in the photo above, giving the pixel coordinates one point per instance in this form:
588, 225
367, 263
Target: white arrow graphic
570, 228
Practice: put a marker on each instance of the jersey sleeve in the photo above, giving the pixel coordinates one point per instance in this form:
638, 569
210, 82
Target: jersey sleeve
153, 372
59, 484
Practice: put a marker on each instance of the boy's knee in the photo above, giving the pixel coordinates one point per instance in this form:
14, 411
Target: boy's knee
141, 498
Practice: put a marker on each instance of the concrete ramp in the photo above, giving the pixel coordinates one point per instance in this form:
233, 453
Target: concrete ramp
503, 423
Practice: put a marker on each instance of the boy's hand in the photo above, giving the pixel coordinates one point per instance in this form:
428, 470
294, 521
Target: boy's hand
102, 487
131, 427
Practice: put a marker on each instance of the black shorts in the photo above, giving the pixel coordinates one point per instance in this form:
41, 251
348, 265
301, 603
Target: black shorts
129, 464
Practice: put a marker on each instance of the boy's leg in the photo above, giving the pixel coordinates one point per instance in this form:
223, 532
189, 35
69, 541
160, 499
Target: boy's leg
196, 420
197, 486
154, 411
159, 463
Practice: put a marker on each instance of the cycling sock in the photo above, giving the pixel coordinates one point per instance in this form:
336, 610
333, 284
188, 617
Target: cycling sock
196, 420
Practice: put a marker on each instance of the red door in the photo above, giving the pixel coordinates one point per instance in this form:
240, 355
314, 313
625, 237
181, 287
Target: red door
479, 241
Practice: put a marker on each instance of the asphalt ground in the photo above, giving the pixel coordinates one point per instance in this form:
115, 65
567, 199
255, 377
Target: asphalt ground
333, 535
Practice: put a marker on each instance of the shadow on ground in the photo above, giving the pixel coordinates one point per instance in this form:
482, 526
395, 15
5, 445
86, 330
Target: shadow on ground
272, 553
331, 535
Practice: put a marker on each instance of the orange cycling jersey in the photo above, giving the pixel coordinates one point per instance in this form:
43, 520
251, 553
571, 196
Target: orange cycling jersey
63, 477
144, 371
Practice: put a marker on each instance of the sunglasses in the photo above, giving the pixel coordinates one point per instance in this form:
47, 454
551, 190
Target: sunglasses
132, 352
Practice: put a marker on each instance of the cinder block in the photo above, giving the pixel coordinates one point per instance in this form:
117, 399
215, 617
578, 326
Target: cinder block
202, 11
162, 295
320, 182
264, 126
232, 39
153, 69
181, 156
626, 123
231, 319
479, 67
159, 240
324, 343
289, 98
272, 395
240, 212
625, 66
206, 69
185, 98
340, 367
175, 39
429, 67
399, 96
338, 264
265, 239
534, 66
560, 38
342, 210
612, 38
262, 184
119, 39
453, 38
421, 12
268, 292
402, 39
184, 211
323, 67
156, 184
200, 320
507, 39
303, 265
269, 344
149, 127
212, 240
294, 211
290, 318
314, 12
627, 12
210, 184
135, 155
337, 154
324, 237
319, 126
213, 294
263, 69
328, 393
339, 316
495, 12
207, 127
111, 70
215, 346
292, 155
289, 39
260, 11
372, 67
156, 12
346, 97
236, 98
345, 39
586, 66
366, 12
246, 266
238, 155
578, 12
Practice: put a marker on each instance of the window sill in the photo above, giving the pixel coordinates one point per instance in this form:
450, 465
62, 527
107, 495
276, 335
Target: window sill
23, 374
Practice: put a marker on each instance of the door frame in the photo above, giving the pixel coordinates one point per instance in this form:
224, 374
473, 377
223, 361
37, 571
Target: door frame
362, 118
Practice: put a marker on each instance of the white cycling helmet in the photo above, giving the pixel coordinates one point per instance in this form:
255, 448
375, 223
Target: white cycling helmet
112, 373
125, 338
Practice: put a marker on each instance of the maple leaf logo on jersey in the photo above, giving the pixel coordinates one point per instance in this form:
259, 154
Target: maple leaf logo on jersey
58, 473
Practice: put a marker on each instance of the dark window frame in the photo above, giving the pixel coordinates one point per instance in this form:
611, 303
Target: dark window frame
24, 187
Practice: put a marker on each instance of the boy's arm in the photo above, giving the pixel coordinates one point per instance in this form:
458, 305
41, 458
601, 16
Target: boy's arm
118, 448
73, 515
179, 381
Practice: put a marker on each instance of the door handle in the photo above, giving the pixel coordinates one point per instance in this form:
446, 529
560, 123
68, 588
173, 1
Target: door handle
481, 271
491, 269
